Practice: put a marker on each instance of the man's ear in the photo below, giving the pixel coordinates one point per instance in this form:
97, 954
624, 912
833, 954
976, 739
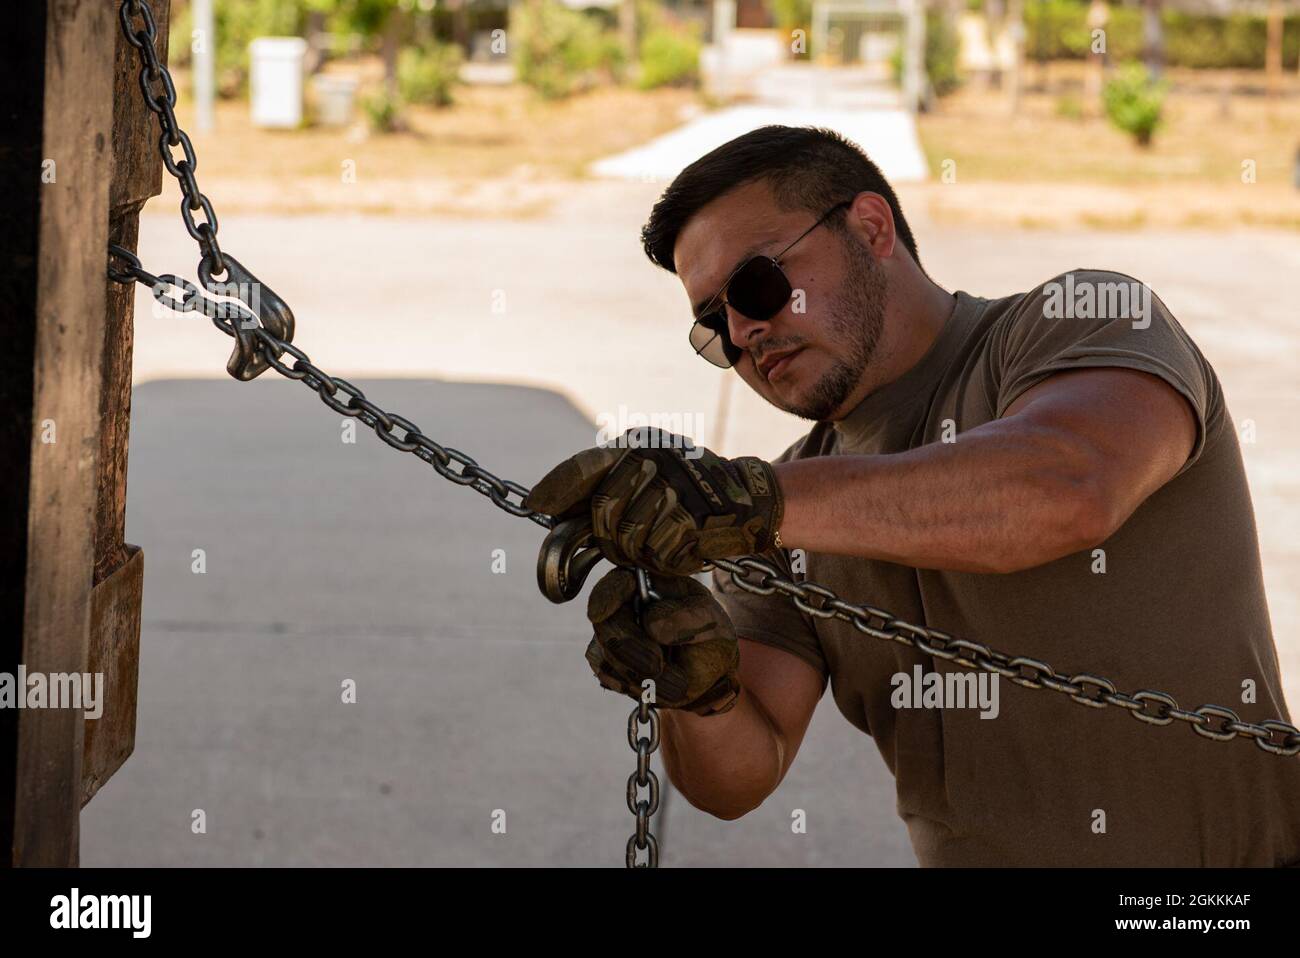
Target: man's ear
872, 221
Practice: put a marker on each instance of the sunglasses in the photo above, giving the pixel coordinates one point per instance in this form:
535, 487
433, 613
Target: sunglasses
758, 289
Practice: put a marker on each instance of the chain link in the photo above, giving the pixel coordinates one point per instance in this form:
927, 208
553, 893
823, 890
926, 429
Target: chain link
505, 495
644, 714
163, 104
643, 808
1092, 691
1156, 708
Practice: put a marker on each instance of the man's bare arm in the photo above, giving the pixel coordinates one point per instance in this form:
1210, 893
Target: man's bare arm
1060, 472
728, 764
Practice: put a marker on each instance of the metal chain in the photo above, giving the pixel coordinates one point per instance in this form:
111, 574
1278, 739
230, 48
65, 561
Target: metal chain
163, 103
644, 714
1154, 708
644, 777
225, 316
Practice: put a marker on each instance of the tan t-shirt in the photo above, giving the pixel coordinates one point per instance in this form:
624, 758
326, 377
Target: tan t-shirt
1179, 608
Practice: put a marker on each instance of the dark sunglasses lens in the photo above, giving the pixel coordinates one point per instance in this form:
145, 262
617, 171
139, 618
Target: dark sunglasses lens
709, 339
759, 290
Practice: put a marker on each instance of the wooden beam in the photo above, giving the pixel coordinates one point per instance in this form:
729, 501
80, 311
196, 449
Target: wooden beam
57, 108
114, 652
114, 642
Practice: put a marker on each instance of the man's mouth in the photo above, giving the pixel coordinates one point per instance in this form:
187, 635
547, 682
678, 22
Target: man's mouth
772, 368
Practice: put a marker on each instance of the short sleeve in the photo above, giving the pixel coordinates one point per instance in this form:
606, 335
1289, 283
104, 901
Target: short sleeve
770, 619
1096, 318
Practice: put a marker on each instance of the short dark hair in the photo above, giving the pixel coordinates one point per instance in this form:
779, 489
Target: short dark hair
809, 168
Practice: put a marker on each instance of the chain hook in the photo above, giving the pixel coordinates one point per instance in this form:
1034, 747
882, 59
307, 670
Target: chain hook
566, 559
247, 360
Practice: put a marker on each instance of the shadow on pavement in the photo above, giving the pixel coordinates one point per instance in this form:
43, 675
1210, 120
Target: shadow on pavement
327, 562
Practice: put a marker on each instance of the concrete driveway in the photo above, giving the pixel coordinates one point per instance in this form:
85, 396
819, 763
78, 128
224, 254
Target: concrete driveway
328, 563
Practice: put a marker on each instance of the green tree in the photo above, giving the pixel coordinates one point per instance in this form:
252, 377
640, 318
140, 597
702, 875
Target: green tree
387, 19
558, 50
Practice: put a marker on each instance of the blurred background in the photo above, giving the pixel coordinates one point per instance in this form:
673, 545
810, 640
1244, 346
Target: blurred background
449, 194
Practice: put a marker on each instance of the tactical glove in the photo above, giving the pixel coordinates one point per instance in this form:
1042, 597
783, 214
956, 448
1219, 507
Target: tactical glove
659, 502
685, 643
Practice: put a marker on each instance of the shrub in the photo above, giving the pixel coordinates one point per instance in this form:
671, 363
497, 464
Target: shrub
669, 57
428, 74
1057, 29
384, 111
1069, 107
942, 45
559, 51
1133, 102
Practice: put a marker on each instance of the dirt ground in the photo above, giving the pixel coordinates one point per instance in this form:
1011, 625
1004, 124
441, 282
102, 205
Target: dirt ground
499, 151
1224, 156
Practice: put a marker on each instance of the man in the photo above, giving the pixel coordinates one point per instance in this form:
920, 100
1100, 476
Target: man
1054, 474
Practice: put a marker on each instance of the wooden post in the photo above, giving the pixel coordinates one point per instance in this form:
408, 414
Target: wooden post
114, 648
58, 113
69, 585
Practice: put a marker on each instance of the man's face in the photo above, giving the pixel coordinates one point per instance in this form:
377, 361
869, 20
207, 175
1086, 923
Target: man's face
830, 326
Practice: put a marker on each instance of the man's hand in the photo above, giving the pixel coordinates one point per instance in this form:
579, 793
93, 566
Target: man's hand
686, 643
664, 504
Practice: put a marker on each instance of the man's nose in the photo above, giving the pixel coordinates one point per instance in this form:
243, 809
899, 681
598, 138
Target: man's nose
741, 328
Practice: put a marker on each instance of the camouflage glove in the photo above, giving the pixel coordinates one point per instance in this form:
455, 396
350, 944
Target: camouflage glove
686, 643
660, 503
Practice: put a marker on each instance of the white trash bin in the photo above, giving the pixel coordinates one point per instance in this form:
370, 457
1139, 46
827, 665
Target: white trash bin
335, 96
276, 80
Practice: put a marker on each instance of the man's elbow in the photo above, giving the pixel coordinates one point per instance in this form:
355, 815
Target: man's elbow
728, 813
1094, 516
727, 807
1078, 516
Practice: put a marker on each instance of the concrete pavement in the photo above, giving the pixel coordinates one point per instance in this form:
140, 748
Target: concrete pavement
326, 563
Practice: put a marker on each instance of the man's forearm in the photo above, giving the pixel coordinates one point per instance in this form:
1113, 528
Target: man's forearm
723, 764
997, 500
